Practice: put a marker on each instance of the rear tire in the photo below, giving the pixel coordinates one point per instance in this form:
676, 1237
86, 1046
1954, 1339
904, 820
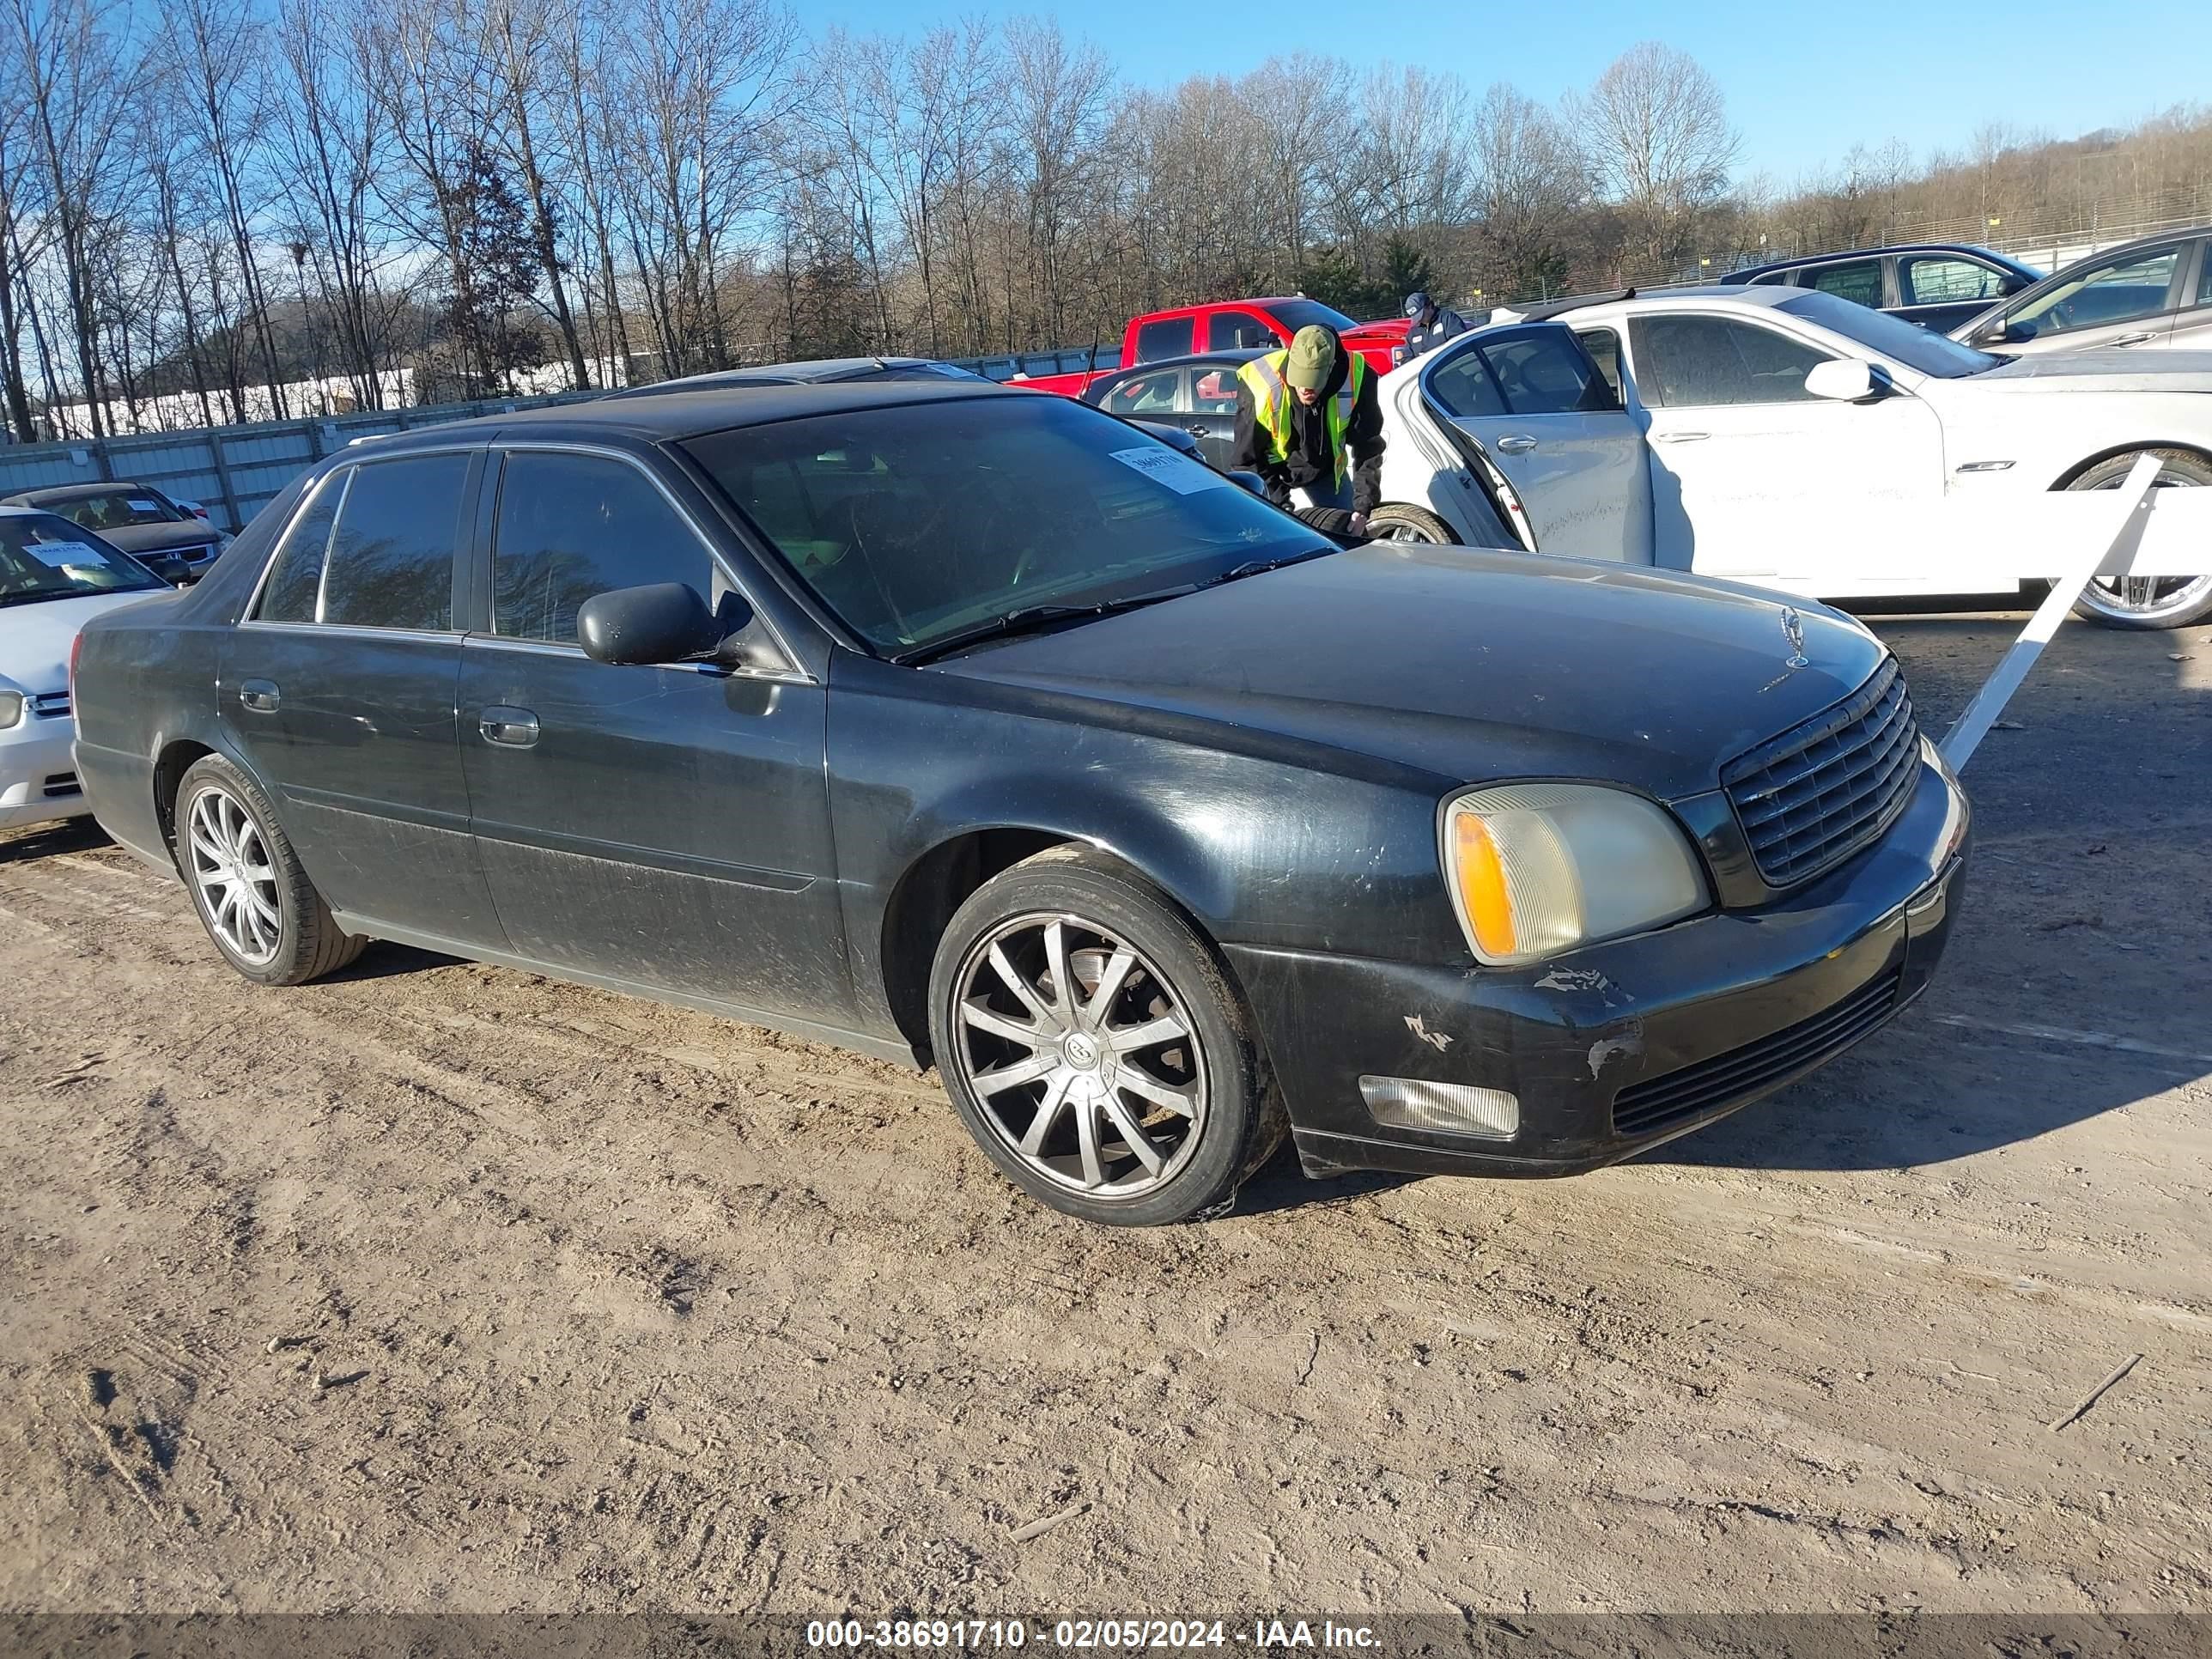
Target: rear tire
2147, 602
1397, 521
1094, 1045
252, 896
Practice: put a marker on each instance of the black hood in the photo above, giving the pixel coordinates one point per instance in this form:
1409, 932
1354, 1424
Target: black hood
1468, 664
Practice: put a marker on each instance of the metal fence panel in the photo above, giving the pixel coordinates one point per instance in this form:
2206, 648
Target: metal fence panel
231, 471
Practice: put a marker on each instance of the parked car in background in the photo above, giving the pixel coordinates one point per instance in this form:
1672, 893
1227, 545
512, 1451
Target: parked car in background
54, 578
1226, 325
2152, 294
1197, 394
1938, 285
956, 724
1775, 435
824, 371
137, 517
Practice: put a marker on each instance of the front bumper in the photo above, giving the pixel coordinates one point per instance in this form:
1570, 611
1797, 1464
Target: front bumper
1617, 1047
38, 778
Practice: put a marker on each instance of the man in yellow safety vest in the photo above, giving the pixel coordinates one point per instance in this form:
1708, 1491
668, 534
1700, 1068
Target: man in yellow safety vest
1308, 420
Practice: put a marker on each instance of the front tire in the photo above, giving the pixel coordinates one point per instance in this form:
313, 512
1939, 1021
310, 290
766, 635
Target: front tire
253, 898
2148, 601
1397, 521
1092, 1042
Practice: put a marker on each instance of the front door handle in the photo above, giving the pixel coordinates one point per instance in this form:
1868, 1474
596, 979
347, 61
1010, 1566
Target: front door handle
2132, 339
1519, 443
1679, 437
1199, 431
511, 728
262, 696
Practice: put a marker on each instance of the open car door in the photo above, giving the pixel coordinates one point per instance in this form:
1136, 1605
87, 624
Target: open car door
1528, 404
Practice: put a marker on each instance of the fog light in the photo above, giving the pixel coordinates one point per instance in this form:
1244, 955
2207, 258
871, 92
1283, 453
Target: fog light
1452, 1109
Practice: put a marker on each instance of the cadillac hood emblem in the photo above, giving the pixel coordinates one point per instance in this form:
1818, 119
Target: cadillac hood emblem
1793, 629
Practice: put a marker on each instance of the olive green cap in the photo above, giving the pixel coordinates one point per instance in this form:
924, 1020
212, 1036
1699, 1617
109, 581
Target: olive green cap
1313, 358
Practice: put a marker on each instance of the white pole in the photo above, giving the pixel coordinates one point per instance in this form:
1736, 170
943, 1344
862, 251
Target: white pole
2012, 668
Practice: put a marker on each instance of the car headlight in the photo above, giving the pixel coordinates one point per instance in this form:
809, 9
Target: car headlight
11, 709
1535, 869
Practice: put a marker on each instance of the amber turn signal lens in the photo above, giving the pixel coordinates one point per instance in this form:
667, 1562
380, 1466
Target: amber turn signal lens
1482, 886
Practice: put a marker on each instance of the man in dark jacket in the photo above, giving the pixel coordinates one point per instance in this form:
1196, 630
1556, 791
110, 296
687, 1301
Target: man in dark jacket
1430, 325
1308, 420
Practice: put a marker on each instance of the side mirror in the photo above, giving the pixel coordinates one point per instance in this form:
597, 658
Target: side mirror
664, 622
1253, 482
169, 568
1846, 380
1998, 333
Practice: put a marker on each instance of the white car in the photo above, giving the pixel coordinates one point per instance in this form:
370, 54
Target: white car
1774, 436
54, 578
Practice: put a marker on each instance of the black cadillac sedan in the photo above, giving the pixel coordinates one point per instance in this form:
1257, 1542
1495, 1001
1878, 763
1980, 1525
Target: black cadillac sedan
965, 726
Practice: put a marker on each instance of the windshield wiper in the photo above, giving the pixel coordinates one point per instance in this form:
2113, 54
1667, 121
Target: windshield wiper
1030, 618
1261, 567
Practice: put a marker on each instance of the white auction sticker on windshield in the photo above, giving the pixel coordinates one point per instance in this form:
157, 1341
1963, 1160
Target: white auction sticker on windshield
1177, 471
137, 506
59, 555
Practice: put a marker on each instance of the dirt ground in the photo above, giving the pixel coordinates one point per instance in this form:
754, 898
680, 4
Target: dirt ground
441, 1286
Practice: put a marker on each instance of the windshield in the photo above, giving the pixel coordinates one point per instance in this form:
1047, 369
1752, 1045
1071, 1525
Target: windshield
921, 521
1909, 343
1295, 315
114, 510
45, 557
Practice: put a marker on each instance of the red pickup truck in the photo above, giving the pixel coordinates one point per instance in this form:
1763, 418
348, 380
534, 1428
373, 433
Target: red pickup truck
1226, 325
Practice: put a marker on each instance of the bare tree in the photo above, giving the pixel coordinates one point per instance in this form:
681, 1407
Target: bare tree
1532, 191
1657, 133
517, 35
75, 86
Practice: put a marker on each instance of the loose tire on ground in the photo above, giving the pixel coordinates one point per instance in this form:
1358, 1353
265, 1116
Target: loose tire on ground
1397, 521
229, 838
1041, 979
2149, 602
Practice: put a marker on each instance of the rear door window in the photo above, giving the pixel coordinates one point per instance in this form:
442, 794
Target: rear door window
1234, 331
294, 586
1859, 282
1547, 373
1160, 393
2204, 281
391, 560
1462, 383
1170, 337
571, 526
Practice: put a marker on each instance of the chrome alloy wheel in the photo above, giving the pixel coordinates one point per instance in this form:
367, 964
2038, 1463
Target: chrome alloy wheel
232, 874
2146, 598
1084, 1059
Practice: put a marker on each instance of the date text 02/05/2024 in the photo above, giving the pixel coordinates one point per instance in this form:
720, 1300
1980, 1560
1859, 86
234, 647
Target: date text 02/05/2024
1112, 1634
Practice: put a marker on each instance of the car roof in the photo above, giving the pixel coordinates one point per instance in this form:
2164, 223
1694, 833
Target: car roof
1228, 355
814, 371
1746, 272
76, 492
674, 416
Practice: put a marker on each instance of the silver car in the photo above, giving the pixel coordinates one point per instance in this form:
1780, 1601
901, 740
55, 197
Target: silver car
2153, 292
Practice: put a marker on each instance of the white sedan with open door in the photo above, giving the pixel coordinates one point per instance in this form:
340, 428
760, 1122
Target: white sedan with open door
1791, 439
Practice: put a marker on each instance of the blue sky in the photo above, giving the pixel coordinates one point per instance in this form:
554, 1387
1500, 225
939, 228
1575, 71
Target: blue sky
1803, 82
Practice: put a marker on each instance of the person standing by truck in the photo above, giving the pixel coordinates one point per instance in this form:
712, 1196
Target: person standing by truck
1308, 420
1428, 325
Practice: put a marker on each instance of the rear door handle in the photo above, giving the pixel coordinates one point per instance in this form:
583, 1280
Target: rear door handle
2132, 339
513, 728
262, 696
1679, 437
1519, 443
